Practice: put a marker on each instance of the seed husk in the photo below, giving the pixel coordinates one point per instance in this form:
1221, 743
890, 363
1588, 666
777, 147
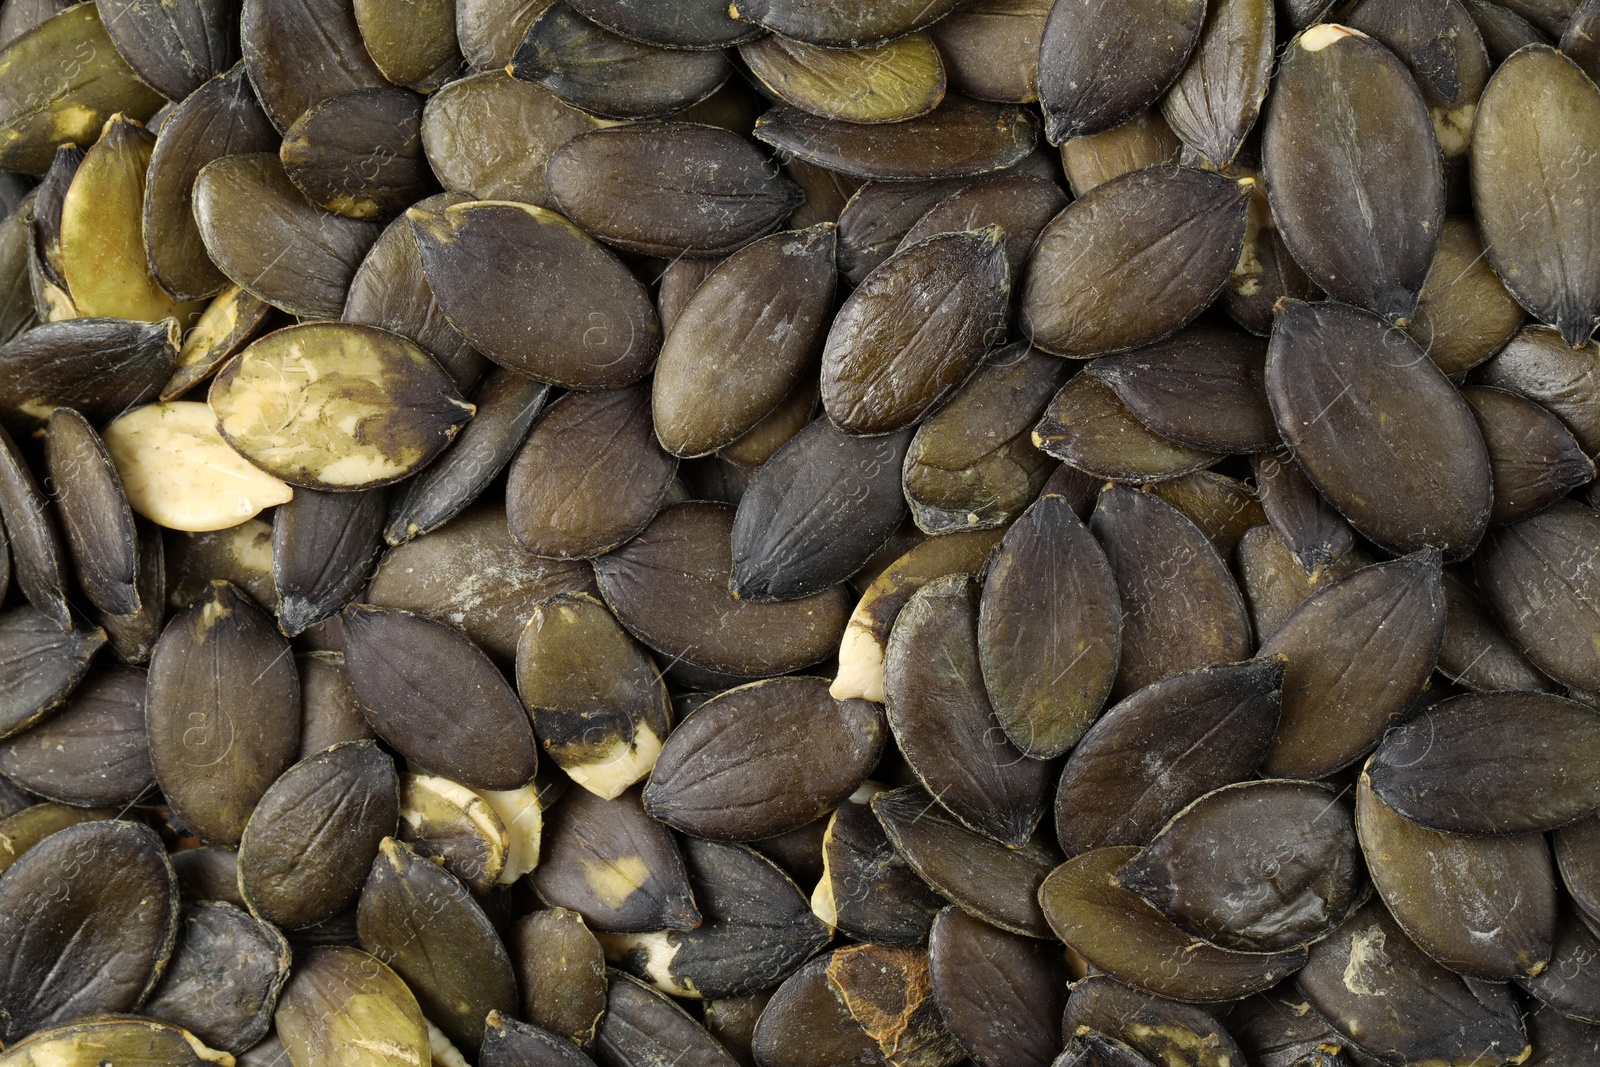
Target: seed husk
509, 1043
91, 751
879, 214
757, 928
223, 711
1115, 931
1001, 995
610, 862
1575, 857
1265, 271
224, 978
1020, 204
598, 703
34, 822
1567, 985
1133, 260
360, 153
1356, 653
990, 881
133, 636
744, 340
764, 759
473, 574
328, 713
498, 267
608, 75
1534, 575
1476, 652
732, 1021
991, 48
1203, 729
1353, 171
958, 139
688, 24
1313, 532
1258, 866
1180, 605
914, 330
301, 53
127, 1040
1537, 364
1094, 159
1378, 429
1224, 508
60, 80
1464, 314
670, 588
1048, 683
343, 1005
1448, 60
1163, 1031
337, 406
323, 545
1539, 218
412, 44
423, 922
101, 367
1482, 906
806, 1025
240, 554
446, 822
102, 904
892, 82
866, 889
1214, 103
1559, 1039
1433, 769
249, 213
315, 832
642, 1026
889, 993
589, 476
562, 973
1393, 1002
36, 549
229, 322
437, 699
95, 516
40, 664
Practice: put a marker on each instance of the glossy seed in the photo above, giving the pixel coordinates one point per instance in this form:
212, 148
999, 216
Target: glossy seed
764, 759
1537, 364
41, 665
413, 44
1224, 508
1353, 171
562, 974
432, 694
1133, 260
879, 214
1215, 101
991, 48
806, 1025
1476, 652
1114, 930
1001, 995
33, 823
1094, 159
223, 981
1314, 533
323, 545
675, 24
346, 1006
1567, 984
301, 53
99, 367
223, 711
1163, 1031
642, 1026
1203, 729
92, 750
359, 154
1538, 217
1356, 654
94, 513
1533, 458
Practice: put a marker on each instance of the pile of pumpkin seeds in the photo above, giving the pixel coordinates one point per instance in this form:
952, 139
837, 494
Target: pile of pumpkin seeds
800, 533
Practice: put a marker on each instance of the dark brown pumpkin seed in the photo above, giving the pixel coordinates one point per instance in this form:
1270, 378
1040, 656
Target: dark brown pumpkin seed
610, 862
1482, 906
762, 441
642, 1026
437, 699
1476, 652
223, 712
1163, 1031
1557, 1039
449, 823
867, 891
743, 341
101, 367
1537, 364
323, 545
497, 268
344, 1006
133, 636
1356, 654
1088, 426
991, 48
879, 214
1180, 605
315, 832
1577, 859
990, 881
764, 759
239, 554
223, 981
91, 751
359, 153
1273, 581
174, 48
958, 139
1353, 171
35, 823
417, 918
1117, 932
474, 575
675, 24
41, 665
1537, 577
412, 44
490, 30
328, 707
1224, 508
1133, 260
1102, 63
562, 973
1258, 866
1265, 271
251, 216
1502, 29
670, 587
301, 53
757, 928
1316, 534
1538, 212
1378, 988
1534, 459
1433, 769
1001, 995
1568, 985
1047, 683
589, 476
101, 908
1094, 159
892, 82
1214, 103
833, 27
806, 1025
1198, 730
509, 1043
1378, 428
1279, 1029
94, 513
597, 700
590, 67
1020, 204
60, 80
1464, 313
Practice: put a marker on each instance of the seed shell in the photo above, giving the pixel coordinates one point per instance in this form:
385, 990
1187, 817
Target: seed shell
642, 1026
1001, 995
346, 1006
893, 82
224, 978
303, 52
360, 153
562, 973
1163, 1031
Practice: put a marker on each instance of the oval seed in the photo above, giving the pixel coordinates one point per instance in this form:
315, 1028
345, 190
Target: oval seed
562, 973
1533, 458
867, 890
1163, 1031
360, 154
223, 981
1001, 995
889, 83
345, 1006
92, 750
